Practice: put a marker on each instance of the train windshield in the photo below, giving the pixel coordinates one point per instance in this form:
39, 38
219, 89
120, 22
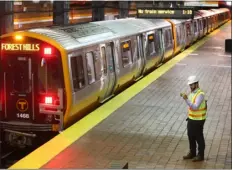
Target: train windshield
20, 77
49, 75
31, 65
31, 77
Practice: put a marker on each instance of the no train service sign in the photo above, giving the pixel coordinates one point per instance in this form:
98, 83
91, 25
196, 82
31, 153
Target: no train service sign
152, 13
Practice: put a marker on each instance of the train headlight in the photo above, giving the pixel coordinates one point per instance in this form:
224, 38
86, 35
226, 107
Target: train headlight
18, 37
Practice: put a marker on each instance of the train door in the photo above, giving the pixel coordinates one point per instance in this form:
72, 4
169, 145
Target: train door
18, 76
162, 45
110, 77
168, 43
200, 24
208, 25
140, 56
205, 26
182, 35
159, 46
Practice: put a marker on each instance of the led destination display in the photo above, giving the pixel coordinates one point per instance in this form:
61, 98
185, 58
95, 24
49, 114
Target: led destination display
152, 13
20, 47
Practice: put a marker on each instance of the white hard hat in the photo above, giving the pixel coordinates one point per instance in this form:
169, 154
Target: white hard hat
192, 79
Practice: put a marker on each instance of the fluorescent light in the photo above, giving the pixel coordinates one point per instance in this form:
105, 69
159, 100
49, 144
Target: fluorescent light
35, 1
228, 3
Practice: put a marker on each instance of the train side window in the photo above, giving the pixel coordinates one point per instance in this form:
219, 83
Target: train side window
178, 36
177, 32
181, 29
204, 23
184, 32
151, 45
188, 29
157, 41
50, 75
165, 38
110, 54
77, 72
168, 38
98, 65
103, 52
90, 67
139, 47
126, 53
209, 21
54, 74
195, 26
200, 25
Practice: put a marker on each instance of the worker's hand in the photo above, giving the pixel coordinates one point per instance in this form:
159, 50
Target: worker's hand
185, 96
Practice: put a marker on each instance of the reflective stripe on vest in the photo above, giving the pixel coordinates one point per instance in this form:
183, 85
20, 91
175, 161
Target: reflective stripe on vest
199, 114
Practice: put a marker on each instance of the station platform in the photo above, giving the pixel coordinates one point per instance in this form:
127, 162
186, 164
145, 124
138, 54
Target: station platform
145, 125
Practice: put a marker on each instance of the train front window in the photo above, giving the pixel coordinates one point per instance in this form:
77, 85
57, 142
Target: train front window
49, 75
20, 74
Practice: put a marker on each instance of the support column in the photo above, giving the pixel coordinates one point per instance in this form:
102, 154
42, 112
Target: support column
6, 17
98, 10
61, 12
124, 9
6, 26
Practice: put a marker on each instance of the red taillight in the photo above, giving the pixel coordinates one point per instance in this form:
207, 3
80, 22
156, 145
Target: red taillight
48, 100
47, 51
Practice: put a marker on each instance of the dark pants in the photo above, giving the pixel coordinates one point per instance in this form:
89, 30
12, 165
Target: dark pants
195, 134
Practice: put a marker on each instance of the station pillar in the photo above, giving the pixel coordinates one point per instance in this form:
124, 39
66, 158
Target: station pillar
98, 10
61, 12
123, 9
6, 17
6, 26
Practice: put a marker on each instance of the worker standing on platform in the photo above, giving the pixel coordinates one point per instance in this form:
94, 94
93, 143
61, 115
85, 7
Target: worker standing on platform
196, 119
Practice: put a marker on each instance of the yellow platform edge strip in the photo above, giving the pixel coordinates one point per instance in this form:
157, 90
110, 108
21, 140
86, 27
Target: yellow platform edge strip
38, 158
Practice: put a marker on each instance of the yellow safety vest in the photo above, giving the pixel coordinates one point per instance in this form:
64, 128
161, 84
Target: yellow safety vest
200, 113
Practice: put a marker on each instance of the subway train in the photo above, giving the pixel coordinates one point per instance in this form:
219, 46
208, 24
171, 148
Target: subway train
51, 77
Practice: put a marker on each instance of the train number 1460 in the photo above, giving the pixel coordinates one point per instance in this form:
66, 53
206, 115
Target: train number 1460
23, 115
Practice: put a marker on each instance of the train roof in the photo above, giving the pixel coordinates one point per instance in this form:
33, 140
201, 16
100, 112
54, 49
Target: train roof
133, 25
197, 15
206, 13
215, 10
177, 21
78, 35
220, 10
224, 9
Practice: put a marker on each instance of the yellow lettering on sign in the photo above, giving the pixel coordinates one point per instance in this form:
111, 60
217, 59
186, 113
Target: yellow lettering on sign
166, 11
20, 47
187, 11
153, 11
22, 105
140, 11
